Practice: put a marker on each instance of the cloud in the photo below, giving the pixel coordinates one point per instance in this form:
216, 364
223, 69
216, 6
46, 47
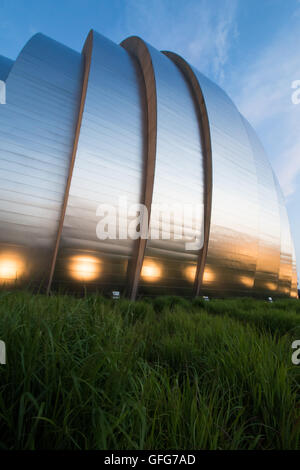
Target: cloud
202, 32
262, 91
289, 171
263, 94
209, 48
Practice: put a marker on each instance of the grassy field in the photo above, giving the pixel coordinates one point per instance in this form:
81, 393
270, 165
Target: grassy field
166, 373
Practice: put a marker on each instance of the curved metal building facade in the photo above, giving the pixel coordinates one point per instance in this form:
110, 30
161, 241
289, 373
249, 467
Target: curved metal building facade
83, 131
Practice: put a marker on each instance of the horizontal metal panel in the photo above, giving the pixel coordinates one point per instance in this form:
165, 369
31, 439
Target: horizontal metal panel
168, 266
233, 244
204, 126
250, 248
294, 290
108, 165
36, 138
269, 233
286, 246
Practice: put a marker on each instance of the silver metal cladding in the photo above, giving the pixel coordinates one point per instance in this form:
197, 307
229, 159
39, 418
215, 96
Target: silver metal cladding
205, 135
108, 165
36, 137
168, 266
233, 242
286, 247
269, 234
139, 49
81, 132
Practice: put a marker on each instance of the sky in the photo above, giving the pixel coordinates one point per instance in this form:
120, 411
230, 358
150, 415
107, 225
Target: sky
249, 47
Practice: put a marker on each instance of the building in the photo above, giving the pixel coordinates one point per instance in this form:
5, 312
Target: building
82, 130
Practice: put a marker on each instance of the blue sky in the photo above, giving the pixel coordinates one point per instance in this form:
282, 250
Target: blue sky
249, 47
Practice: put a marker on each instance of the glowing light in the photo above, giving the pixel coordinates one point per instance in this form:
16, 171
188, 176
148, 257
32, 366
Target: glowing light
151, 271
190, 273
247, 281
11, 267
208, 275
271, 286
85, 268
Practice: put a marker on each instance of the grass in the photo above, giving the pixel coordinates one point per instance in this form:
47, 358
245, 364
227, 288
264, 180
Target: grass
165, 373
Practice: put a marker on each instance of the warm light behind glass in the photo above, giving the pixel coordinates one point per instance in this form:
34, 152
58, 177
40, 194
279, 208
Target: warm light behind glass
271, 286
85, 268
247, 281
151, 271
190, 273
11, 267
208, 275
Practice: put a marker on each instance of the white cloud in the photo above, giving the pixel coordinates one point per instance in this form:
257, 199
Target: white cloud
263, 94
201, 31
289, 170
209, 48
262, 91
